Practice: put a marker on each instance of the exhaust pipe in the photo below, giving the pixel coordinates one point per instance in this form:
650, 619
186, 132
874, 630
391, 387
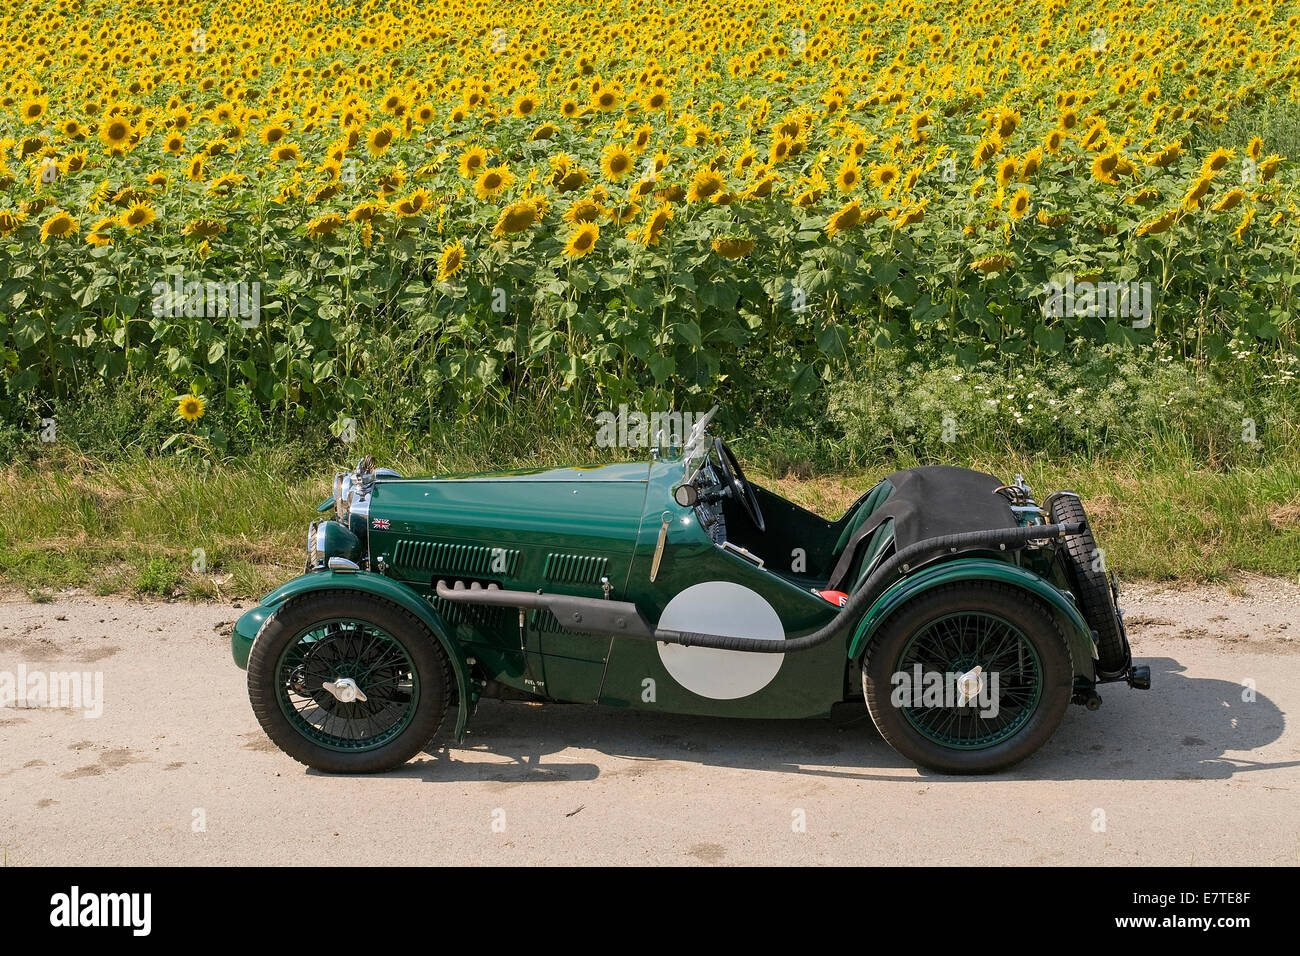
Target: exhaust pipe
604, 618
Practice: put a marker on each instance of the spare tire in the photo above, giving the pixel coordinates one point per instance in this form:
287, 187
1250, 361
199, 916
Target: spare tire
1092, 590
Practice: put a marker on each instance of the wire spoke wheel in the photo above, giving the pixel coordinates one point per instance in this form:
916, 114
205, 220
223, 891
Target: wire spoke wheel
345, 681
1007, 688
968, 677
347, 685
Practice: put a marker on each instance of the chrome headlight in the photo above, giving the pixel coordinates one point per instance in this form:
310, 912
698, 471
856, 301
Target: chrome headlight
329, 539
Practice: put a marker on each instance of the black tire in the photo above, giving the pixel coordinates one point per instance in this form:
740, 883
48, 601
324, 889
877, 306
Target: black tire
1092, 590
992, 601
427, 658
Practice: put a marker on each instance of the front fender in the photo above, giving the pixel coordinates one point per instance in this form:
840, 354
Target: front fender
246, 628
1071, 621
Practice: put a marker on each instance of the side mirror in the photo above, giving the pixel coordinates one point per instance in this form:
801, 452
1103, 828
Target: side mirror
686, 495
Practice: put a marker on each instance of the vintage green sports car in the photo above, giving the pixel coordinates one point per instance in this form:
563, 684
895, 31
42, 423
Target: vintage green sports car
969, 615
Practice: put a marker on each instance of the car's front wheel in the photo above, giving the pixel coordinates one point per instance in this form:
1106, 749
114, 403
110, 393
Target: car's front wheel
969, 677
346, 682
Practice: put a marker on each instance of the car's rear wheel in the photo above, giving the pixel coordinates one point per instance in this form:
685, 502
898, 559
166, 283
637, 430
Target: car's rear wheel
1092, 590
970, 677
346, 682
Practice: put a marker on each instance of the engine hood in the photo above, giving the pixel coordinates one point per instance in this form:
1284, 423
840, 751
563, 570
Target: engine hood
457, 523
619, 471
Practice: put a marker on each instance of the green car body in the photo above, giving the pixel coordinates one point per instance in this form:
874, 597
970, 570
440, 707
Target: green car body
624, 533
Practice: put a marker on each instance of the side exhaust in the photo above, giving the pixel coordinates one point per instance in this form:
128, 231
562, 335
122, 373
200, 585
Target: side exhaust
604, 618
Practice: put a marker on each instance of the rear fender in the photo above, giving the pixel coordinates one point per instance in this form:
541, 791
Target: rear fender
1077, 633
246, 628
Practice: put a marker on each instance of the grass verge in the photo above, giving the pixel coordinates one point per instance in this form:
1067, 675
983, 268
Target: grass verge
175, 528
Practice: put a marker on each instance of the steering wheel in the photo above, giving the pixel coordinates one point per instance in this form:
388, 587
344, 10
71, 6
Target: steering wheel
734, 478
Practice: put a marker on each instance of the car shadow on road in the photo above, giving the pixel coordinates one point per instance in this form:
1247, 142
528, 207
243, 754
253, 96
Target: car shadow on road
1182, 729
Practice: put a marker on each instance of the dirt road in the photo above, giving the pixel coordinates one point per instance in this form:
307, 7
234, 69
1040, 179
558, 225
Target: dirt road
176, 770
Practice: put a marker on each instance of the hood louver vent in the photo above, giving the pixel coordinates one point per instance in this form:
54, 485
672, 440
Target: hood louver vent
487, 619
545, 621
439, 557
575, 568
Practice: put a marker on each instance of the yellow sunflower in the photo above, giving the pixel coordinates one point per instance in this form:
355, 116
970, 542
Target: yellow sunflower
1019, 204
733, 247
1007, 170
846, 217
58, 225
471, 161
991, 264
781, 149
137, 216
911, 216
1166, 156
190, 407
493, 181
1218, 159
653, 231
324, 225
582, 241
762, 187
1242, 226
115, 132
706, 184
515, 218
584, 210
273, 134
1230, 200
848, 176
984, 151
1153, 227
451, 261
34, 109
380, 138
205, 228
615, 162
98, 234
412, 205
365, 212
11, 219
623, 212
1196, 192
1105, 166
605, 100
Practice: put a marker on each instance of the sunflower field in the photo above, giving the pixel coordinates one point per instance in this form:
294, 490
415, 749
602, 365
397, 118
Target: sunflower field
435, 210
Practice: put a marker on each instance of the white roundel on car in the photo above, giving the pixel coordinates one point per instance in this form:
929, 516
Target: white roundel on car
720, 607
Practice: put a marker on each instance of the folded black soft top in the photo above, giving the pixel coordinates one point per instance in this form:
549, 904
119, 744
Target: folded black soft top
930, 501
